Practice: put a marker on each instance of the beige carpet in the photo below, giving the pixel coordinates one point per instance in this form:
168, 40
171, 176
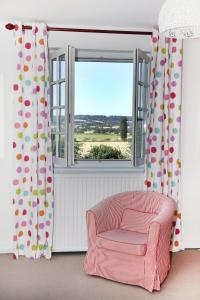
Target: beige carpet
63, 278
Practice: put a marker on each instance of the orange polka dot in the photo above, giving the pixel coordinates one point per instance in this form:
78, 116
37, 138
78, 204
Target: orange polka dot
20, 99
20, 40
20, 233
42, 100
25, 68
41, 213
176, 243
179, 215
41, 41
19, 156
42, 157
36, 226
24, 179
17, 212
25, 124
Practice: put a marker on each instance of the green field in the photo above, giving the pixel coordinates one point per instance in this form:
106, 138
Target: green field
98, 137
88, 140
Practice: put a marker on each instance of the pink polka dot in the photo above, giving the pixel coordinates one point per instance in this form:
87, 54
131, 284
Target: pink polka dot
48, 190
15, 87
28, 58
19, 169
40, 68
27, 115
26, 170
15, 182
28, 45
27, 102
17, 125
20, 113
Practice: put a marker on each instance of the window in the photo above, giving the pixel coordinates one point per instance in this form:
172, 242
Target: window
99, 107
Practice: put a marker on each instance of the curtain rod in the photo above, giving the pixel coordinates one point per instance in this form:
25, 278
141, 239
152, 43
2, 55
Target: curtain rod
11, 26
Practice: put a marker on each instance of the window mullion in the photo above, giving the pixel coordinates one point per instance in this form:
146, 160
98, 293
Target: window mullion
71, 60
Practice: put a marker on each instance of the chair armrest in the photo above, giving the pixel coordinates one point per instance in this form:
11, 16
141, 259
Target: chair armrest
107, 215
160, 231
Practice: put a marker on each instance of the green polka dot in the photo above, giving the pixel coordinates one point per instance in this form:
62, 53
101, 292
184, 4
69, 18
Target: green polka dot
42, 78
175, 130
176, 75
21, 247
172, 65
157, 130
20, 77
158, 74
149, 165
35, 78
27, 139
18, 191
27, 82
43, 135
155, 185
42, 192
29, 203
35, 136
20, 135
46, 204
163, 50
34, 247
35, 192
41, 247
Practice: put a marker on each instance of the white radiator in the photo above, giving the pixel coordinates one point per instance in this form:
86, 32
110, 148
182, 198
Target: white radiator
74, 194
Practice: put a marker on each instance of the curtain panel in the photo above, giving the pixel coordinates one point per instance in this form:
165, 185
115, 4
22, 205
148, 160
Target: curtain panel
163, 162
32, 157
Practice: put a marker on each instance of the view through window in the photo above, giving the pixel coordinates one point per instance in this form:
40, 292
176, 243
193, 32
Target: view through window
103, 110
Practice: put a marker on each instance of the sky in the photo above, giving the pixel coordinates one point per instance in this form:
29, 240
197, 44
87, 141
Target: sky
103, 88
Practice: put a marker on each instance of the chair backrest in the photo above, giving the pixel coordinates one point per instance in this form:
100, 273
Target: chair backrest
139, 209
137, 221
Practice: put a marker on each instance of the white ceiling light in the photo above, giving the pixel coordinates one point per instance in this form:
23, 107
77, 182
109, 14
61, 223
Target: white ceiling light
180, 19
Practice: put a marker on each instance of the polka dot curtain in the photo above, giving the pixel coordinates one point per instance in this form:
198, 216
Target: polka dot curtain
33, 181
163, 163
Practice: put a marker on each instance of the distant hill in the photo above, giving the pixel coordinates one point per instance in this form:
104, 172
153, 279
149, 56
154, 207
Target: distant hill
99, 120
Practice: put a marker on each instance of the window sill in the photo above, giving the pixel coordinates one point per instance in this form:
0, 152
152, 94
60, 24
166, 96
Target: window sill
97, 170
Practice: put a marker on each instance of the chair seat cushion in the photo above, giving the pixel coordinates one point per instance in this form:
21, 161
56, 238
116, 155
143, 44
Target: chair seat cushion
125, 241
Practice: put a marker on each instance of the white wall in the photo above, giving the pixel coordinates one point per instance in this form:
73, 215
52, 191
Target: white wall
191, 143
190, 136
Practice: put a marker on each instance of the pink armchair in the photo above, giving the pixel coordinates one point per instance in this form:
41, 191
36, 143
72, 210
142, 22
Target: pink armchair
129, 238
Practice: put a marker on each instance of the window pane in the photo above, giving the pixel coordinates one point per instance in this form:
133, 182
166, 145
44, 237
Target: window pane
61, 120
61, 146
53, 141
54, 95
54, 70
62, 94
144, 72
54, 120
62, 66
142, 96
103, 110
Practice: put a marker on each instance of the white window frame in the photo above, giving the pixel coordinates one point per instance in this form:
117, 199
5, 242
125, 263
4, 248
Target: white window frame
93, 55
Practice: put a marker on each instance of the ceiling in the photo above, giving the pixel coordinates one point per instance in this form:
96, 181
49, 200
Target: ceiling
96, 13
